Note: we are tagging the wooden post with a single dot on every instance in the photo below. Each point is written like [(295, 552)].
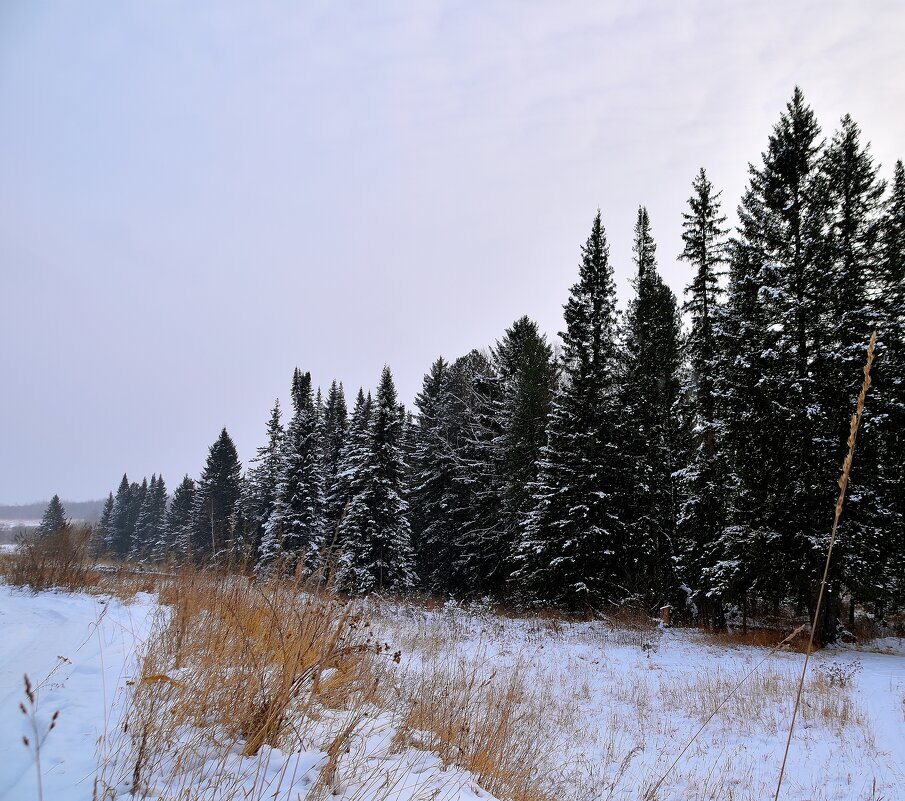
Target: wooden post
[(666, 615)]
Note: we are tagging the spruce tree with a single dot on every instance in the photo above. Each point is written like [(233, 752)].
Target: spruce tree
[(150, 539), (180, 522), (480, 552), (526, 380), (334, 427), (890, 386), (433, 472), (263, 478), (118, 534), (54, 517), (375, 535), (854, 200), (102, 529), (701, 483), (569, 555), (217, 494), (294, 532), (779, 428), (151, 529), (137, 495), (650, 390)]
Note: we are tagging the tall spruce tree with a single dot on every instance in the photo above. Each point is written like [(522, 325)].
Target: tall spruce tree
[(854, 200), (334, 426), (217, 494), (263, 478), (785, 483), (118, 535), (433, 472), (652, 356), (137, 495), (375, 534), (353, 460), (54, 517), (480, 553), (526, 377), (102, 529), (294, 532), (890, 385), (702, 480), (180, 522), (151, 522), (570, 553)]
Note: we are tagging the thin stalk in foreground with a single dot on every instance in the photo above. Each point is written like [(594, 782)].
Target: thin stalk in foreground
[(843, 484)]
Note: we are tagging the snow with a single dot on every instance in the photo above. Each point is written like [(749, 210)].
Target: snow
[(78, 651), (15, 525), (619, 704)]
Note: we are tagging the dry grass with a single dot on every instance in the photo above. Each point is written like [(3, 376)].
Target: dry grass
[(495, 725), (59, 560), (239, 665), (248, 686), (758, 637)]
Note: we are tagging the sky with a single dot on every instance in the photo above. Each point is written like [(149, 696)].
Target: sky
[(197, 197)]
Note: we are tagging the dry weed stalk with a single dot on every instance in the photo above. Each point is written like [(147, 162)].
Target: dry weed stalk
[(843, 485)]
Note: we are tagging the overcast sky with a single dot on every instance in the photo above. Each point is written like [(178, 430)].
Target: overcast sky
[(196, 197)]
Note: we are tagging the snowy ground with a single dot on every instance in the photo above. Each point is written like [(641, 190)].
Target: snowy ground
[(626, 702), (78, 651), (613, 706)]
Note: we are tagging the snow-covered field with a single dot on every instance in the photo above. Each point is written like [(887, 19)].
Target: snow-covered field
[(78, 652), (608, 710), (15, 525)]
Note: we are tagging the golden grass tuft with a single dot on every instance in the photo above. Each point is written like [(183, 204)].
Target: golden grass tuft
[(59, 560)]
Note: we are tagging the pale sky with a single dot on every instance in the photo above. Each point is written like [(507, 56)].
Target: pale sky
[(196, 197)]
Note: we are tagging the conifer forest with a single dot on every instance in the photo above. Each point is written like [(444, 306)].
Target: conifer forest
[(681, 451)]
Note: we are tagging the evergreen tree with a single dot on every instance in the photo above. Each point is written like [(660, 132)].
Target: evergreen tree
[(375, 531), (263, 478), (54, 517), (481, 554), (149, 527), (702, 480), (137, 495), (118, 534), (294, 531), (335, 423), (652, 357), (889, 382), (779, 429), (570, 552), (217, 494), (854, 197), (527, 380), (433, 472), (180, 522), (102, 529)]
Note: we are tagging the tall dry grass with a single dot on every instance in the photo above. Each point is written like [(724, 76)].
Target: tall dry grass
[(496, 724), (60, 560)]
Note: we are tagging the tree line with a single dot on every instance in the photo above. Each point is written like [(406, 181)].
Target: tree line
[(645, 462)]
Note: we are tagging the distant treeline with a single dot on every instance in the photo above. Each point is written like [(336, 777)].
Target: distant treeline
[(645, 463), (89, 511)]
